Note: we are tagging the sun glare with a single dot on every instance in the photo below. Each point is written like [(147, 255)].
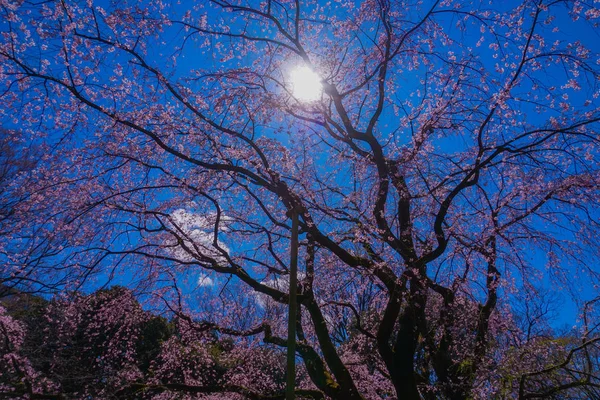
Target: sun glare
[(306, 84)]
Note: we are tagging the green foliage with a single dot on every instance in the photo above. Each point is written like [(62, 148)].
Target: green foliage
[(154, 332)]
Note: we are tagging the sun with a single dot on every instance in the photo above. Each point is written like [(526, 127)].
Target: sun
[(306, 84)]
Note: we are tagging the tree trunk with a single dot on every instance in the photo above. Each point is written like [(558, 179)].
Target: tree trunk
[(403, 373)]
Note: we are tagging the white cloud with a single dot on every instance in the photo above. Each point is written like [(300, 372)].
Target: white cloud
[(198, 235), (281, 283), (205, 280)]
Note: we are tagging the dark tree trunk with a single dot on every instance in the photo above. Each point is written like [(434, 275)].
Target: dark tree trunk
[(403, 373)]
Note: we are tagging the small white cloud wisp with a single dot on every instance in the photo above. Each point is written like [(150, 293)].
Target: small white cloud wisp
[(281, 283), (205, 280)]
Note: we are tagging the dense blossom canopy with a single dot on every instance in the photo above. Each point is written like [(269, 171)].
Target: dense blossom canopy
[(446, 177)]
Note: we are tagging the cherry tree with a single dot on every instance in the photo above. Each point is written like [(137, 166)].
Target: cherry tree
[(15, 163), (444, 167), (27, 241), (103, 345), (18, 376)]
